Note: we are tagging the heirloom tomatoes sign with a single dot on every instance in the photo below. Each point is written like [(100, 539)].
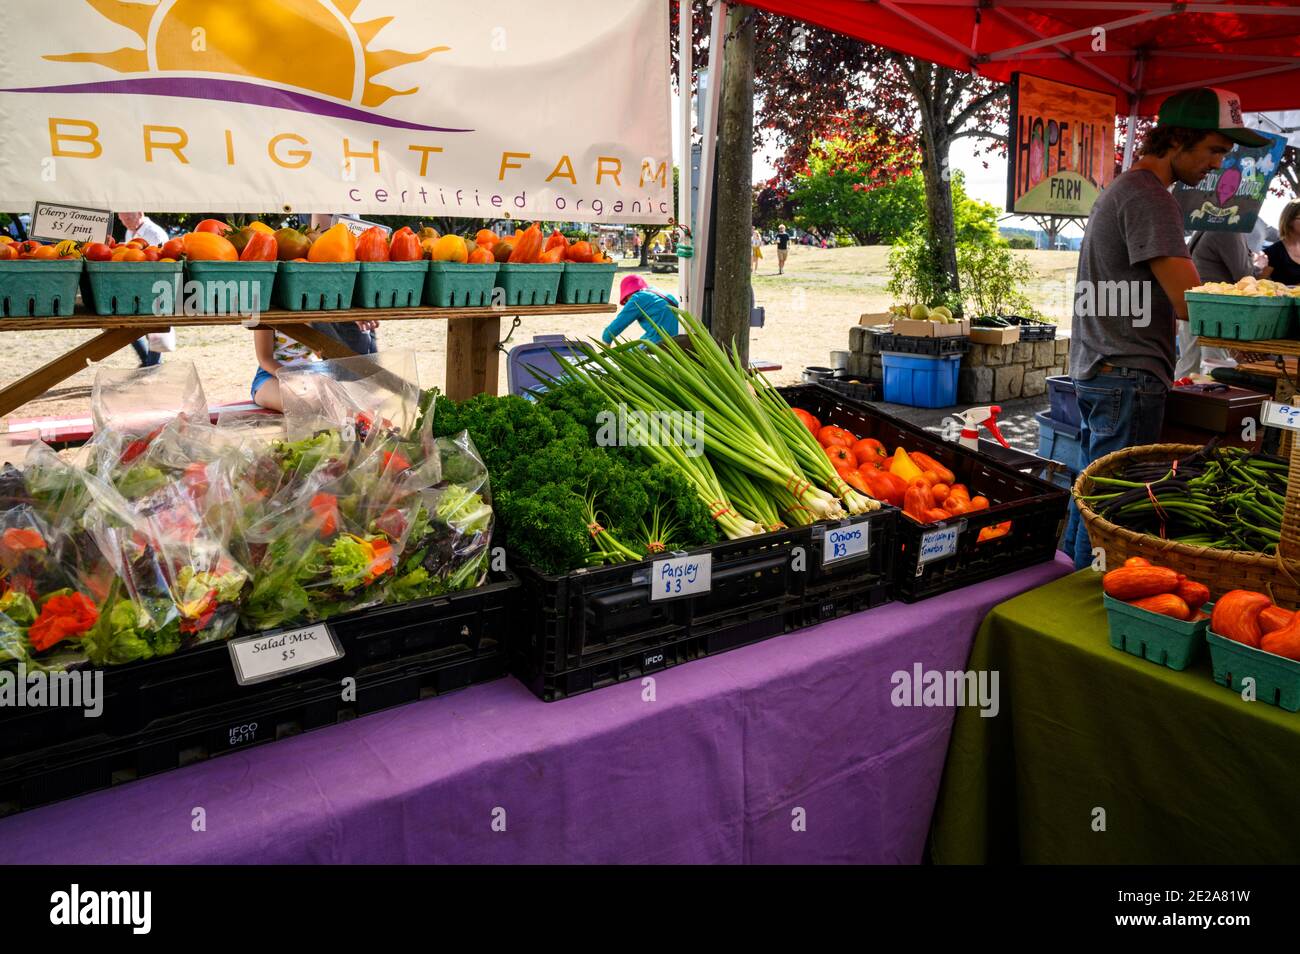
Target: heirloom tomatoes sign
[(482, 110)]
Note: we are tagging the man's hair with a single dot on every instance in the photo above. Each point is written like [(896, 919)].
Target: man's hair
[(1287, 221), (1164, 139)]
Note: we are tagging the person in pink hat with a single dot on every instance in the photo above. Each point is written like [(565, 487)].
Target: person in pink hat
[(650, 307)]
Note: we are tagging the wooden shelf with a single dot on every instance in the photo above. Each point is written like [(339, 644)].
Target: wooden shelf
[(1288, 346), (276, 316)]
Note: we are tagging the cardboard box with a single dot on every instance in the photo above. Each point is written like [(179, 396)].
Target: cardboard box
[(876, 318), (931, 329), (994, 336)]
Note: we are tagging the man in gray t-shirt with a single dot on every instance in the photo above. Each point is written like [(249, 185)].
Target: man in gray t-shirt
[(1133, 271)]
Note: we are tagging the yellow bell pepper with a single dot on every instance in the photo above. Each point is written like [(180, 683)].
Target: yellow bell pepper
[(336, 244), (902, 466)]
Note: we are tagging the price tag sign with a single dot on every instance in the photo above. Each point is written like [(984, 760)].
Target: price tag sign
[(57, 223), (1280, 415), (358, 226), (268, 655), (681, 576), (845, 543), (939, 544)]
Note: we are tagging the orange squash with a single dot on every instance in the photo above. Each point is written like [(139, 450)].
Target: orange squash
[(1135, 582), (1166, 604), (1274, 617), (1236, 616), (1284, 641)]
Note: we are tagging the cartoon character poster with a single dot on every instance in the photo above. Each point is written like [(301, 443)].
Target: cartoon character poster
[(1228, 199)]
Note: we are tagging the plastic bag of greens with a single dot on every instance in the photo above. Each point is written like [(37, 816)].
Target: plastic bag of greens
[(334, 545), (448, 547), (176, 583), (44, 618)]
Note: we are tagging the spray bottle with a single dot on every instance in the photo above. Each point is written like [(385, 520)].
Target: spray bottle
[(972, 418)]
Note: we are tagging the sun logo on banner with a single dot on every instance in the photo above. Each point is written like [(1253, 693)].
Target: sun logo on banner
[(312, 46)]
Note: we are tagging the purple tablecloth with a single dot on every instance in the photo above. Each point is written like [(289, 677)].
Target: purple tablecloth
[(730, 759)]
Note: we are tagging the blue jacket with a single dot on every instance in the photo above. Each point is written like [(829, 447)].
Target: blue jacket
[(645, 306)]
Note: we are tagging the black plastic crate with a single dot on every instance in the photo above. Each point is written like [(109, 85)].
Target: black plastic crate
[(935, 347), (101, 761), (1036, 509), (854, 388), (593, 615), (444, 630)]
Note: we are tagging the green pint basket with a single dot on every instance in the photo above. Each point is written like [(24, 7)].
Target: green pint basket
[(1163, 640), (130, 288), (1277, 679), (1240, 317), (587, 283), (460, 285), (39, 288), (316, 286), (231, 288), (390, 284), (530, 284)]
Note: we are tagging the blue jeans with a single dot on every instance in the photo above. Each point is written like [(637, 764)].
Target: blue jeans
[(1119, 408), (147, 358)]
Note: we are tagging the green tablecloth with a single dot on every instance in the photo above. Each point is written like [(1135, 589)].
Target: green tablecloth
[(1186, 771)]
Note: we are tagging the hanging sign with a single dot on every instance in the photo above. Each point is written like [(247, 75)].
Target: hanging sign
[(1228, 199)]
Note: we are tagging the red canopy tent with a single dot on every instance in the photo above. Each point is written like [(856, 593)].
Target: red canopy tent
[(1140, 49)]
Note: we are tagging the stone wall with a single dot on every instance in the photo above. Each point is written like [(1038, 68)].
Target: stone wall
[(988, 372), (1004, 372)]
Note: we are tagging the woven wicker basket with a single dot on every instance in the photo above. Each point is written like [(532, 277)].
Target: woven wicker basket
[(1220, 570)]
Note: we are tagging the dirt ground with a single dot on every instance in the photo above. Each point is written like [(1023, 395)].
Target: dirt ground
[(809, 310)]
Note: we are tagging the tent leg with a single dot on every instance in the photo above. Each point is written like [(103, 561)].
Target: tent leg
[(1131, 139), (717, 61)]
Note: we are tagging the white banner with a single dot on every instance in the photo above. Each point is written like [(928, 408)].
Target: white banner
[(554, 110)]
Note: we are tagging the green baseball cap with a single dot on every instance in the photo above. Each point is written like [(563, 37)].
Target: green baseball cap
[(1209, 108)]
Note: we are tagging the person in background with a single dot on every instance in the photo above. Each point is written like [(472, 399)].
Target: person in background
[(139, 225), (756, 250), (1122, 347), (274, 351), (1218, 257), (645, 305), (1284, 254), (782, 249)]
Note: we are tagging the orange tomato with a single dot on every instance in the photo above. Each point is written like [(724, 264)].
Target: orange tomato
[(578, 252), (841, 457), (336, 244), (830, 434), (7, 252), (261, 247), (139, 242), (373, 245), (979, 503), (214, 226), (808, 420), (868, 450), (486, 237), (481, 256), (128, 253), (208, 247), (44, 252), (405, 246), (939, 492), (151, 254), (930, 477), (174, 248)]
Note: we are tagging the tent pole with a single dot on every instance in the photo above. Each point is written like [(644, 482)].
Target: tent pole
[(1132, 134), (717, 63), (685, 71)]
